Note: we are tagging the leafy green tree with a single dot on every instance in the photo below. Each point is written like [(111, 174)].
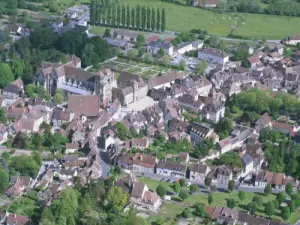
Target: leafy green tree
[(140, 41), (123, 20), (158, 20), (58, 97), (166, 60), (213, 188), (182, 182), (3, 116), (113, 16), (269, 209), (163, 20), (4, 181), (43, 38), (148, 57), (199, 210), (231, 203), (6, 75), (201, 67), (285, 213), (268, 189), (181, 65), (183, 194), (210, 199), (280, 197), (17, 67), (258, 200), (242, 195), (161, 190), (143, 17), (118, 15), (132, 53), (252, 207), (138, 17), (148, 18), (128, 17), (292, 205), (117, 199), (25, 165), (186, 213), (161, 53), (207, 181), (289, 188), (241, 54), (231, 185), (194, 188), (176, 187), (133, 18), (153, 19)]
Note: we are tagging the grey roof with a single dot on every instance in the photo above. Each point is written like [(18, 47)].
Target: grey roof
[(12, 89), (171, 166), (162, 45), (116, 42)]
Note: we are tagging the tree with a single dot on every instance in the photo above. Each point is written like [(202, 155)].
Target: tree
[(25, 165), (158, 20), (161, 53), (231, 185), (280, 197), (148, 57), (289, 188), (186, 213), (117, 199), (58, 98), (123, 21), (183, 194), (143, 17), (182, 182), (6, 75), (210, 199), (138, 17), (4, 181), (231, 203), (285, 213), (113, 16), (127, 17), (213, 188), (161, 190), (148, 18), (132, 18), (241, 54), (140, 41), (176, 187), (3, 116), (118, 15), (201, 67), (163, 20), (107, 33), (269, 209), (194, 188), (132, 53), (122, 130), (153, 19), (181, 65), (252, 207), (166, 60), (199, 210), (43, 38), (17, 67), (268, 189), (292, 205), (258, 200), (242, 195), (207, 181)]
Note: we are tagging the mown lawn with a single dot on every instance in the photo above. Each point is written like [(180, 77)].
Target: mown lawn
[(169, 210), (183, 18)]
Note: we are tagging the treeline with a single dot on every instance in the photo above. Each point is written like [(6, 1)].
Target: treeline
[(286, 7), (114, 15)]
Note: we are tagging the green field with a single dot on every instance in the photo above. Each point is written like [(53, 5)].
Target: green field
[(168, 210), (183, 18)]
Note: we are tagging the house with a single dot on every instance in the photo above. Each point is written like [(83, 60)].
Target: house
[(13, 219), (57, 25), (143, 163), (200, 132), (13, 90), (60, 117), (276, 180), (119, 43), (254, 61), (18, 185), (262, 122), (291, 40), (88, 105), (82, 23), (154, 47), (126, 34), (214, 111), (184, 157), (220, 175), (198, 172), (183, 48), (171, 169), (284, 128), (213, 56), (274, 48), (225, 215), (189, 103), (199, 83), (164, 81), (256, 152), (142, 198), (140, 143), (3, 133), (197, 44), (72, 147), (206, 3), (72, 79), (248, 162), (131, 88)]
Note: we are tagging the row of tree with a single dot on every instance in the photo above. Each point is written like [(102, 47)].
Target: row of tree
[(115, 15)]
